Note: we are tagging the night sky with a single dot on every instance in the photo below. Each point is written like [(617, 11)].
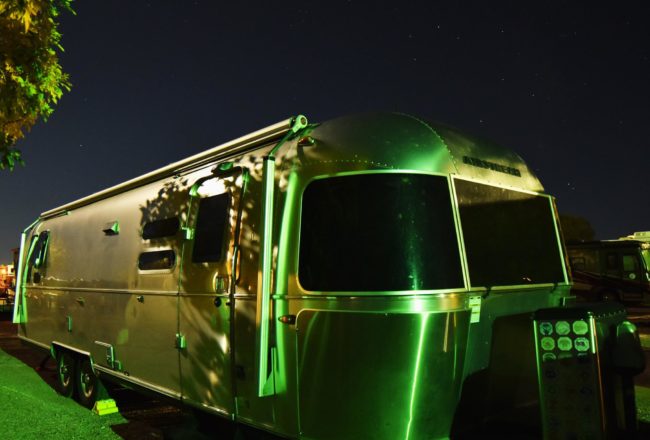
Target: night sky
[(565, 85)]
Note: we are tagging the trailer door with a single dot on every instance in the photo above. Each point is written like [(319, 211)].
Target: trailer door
[(205, 300)]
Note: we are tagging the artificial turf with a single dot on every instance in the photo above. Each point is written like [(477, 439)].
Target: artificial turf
[(31, 409)]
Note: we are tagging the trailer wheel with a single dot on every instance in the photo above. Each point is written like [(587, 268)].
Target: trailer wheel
[(65, 372), (87, 383)]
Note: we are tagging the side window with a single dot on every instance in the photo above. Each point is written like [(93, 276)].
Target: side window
[(630, 263), (630, 266), (38, 247), (157, 260), (211, 224), (167, 227), (611, 262)]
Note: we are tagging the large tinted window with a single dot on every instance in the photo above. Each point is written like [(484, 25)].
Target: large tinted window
[(210, 228), (509, 236), (378, 232)]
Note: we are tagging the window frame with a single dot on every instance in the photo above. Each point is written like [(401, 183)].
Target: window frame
[(223, 250), (555, 220), (170, 269), (298, 231)]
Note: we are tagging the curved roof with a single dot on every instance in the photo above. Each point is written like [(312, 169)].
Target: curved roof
[(400, 141)]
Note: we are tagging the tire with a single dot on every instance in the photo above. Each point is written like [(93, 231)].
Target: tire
[(87, 383), (65, 373)]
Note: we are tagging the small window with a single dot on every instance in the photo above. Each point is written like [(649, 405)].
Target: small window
[(37, 257), (157, 260), (630, 263), (612, 261), (211, 224), (167, 227)]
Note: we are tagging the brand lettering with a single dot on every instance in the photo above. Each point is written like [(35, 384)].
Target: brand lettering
[(480, 163)]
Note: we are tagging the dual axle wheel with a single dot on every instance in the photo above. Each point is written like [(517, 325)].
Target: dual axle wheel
[(76, 376)]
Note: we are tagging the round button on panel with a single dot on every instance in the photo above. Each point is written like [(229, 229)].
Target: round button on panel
[(564, 343), (580, 328), (548, 357), (581, 344), (562, 328), (546, 328), (548, 344)]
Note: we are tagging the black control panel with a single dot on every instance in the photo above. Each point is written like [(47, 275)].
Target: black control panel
[(571, 394)]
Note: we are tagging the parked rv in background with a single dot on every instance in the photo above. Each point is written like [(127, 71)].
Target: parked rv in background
[(616, 270), (372, 276), (7, 287), (6, 279)]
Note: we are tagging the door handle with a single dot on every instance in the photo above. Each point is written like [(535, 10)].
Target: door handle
[(140, 298), (81, 301)]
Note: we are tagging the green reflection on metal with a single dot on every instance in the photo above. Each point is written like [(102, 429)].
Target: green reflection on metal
[(558, 238), (424, 318), (123, 336), (20, 304), (410, 236), (290, 208), (226, 166), (266, 263), (457, 371), (645, 253), (264, 385)]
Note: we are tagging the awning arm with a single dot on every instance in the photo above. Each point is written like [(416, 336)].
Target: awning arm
[(264, 373)]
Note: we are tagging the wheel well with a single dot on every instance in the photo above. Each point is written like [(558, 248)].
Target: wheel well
[(57, 347)]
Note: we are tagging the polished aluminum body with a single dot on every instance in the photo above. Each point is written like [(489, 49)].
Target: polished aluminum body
[(373, 363)]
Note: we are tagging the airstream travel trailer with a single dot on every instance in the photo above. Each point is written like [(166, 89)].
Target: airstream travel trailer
[(372, 276)]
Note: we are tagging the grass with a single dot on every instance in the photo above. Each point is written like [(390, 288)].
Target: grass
[(31, 409), (643, 404)]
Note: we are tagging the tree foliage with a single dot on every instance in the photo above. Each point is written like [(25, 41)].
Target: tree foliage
[(576, 228), (31, 79)]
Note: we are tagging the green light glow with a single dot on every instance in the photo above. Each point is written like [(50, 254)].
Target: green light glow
[(265, 269), (645, 253), (265, 386), (20, 305), (456, 349), (290, 208), (424, 318)]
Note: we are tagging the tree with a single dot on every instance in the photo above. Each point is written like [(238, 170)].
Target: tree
[(575, 228), (31, 79)]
